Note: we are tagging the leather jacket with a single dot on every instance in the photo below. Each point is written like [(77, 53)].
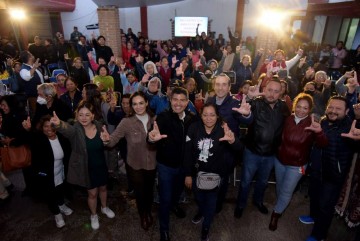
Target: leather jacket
[(264, 134)]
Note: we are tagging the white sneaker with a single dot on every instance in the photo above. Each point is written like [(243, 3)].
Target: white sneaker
[(59, 220), (94, 221), (108, 212), (65, 210)]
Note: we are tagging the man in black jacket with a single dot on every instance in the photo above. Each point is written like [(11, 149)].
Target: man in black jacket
[(329, 167), (169, 132), (262, 142), (101, 49)]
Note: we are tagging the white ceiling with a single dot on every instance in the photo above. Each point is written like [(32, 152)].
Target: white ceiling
[(132, 3)]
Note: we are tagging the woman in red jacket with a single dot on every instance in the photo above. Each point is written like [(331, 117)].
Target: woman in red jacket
[(300, 132)]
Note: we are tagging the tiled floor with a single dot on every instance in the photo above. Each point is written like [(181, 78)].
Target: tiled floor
[(25, 219)]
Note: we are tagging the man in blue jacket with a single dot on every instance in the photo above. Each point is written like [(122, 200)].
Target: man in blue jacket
[(234, 114)]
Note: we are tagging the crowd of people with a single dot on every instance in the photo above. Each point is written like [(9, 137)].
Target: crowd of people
[(179, 113)]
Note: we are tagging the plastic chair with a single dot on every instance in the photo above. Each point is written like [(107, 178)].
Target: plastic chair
[(58, 71)]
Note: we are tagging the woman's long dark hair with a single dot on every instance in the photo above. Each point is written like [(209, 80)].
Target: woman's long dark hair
[(141, 94), (93, 96)]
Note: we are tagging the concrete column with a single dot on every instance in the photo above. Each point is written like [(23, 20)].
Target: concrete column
[(240, 17), (144, 21), (109, 27)]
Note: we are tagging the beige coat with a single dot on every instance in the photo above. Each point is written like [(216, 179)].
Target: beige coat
[(140, 153)]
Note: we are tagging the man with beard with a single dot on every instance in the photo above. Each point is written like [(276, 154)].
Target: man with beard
[(262, 141), (329, 167)]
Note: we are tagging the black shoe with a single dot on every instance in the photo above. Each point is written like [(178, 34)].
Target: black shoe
[(261, 207), (197, 218), (205, 234), (164, 236), (180, 213), (238, 212)]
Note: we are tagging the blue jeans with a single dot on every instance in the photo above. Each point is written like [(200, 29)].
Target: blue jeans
[(253, 163), (171, 184), (206, 201), (287, 177)]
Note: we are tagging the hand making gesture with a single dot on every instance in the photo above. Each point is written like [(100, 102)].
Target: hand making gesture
[(55, 120), (254, 91), (245, 108), (315, 126), (354, 132), (155, 135), (104, 135), (228, 135), (27, 124)]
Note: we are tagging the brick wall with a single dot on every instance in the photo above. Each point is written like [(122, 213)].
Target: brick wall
[(267, 39), (109, 27)]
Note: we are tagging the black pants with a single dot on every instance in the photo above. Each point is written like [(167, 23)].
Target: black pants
[(55, 198), (143, 183), (323, 198)]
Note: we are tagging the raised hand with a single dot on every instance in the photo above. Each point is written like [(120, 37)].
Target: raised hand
[(315, 126), (190, 54), (155, 135), (245, 108), (260, 51), (174, 60), (327, 83), (37, 64), (9, 61), (302, 61), (224, 51), (27, 124), (122, 67), (354, 132), (228, 135), (198, 64), (300, 51), (254, 91), (179, 70), (145, 78), (349, 74), (55, 120), (104, 135)]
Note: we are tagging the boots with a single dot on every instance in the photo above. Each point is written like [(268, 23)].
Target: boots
[(274, 220)]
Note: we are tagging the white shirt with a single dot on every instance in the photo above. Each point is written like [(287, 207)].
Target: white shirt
[(26, 75), (144, 119), (59, 175)]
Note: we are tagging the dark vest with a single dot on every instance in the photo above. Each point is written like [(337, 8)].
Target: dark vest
[(30, 86)]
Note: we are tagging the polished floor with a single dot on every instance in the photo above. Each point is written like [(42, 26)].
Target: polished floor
[(23, 218)]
